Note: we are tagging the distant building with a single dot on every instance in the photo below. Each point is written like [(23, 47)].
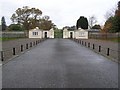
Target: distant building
[(77, 34), (37, 33), (67, 33)]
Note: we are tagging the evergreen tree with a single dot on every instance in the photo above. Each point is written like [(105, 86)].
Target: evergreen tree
[(82, 22), (3, 23), (96, 26), (16, 27)]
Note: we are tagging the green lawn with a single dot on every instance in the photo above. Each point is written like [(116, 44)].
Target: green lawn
[(112, 39), (58, 34), (8, 39)]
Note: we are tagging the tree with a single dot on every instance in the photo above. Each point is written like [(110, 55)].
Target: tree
[(115, 25), (92, 21), (82, 22), (72, 27), (96, 26), (117, 12), (26, 16), (108, 25), (16, 27), (116, 20), (110, 13), (45, 23), (112, 24), (3, 23)]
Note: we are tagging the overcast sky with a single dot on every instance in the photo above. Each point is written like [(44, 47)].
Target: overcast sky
[(61, 12)]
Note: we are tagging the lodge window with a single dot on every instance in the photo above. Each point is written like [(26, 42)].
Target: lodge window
[(82, 34), (35, 33)]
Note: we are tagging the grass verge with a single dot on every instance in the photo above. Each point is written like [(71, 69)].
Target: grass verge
[(8, 39)]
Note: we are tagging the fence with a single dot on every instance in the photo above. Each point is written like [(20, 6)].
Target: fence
[(16, 50), (104, 35), (108, 52), (13, 34)]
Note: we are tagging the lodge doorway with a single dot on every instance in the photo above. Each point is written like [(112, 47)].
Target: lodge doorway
[(71, 34), (45, 34)]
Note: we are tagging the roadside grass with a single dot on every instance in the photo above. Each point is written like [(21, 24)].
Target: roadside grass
[(111, 39), (8, 39)]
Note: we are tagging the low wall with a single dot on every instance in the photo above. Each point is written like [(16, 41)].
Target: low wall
[(17, 47), (108, 52)]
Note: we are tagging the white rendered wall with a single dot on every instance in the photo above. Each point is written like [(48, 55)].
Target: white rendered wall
[(35, 36), (65, 33), (51, 33), (81, 34)]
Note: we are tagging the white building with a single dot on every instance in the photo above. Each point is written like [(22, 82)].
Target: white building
[(77, 34), (37, 33)]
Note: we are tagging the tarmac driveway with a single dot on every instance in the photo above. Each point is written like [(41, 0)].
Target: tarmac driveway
[(60, 63)]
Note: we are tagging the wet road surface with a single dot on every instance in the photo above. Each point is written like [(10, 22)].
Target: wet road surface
[(60, 63)]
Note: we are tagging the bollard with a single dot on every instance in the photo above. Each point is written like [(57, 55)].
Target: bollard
[(36, 42), (21, 48), (85, 43), (80, 41), (76, 40), (31, 44), (2, 57), (27, 46), (14, 51), (89, 45), (93, 46), (108, 51), (99, 48)]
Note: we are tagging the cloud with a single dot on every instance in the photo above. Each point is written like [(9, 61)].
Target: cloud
[(62, 12)]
